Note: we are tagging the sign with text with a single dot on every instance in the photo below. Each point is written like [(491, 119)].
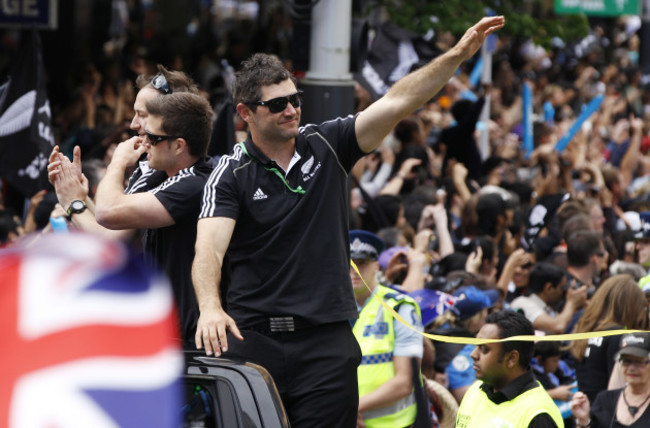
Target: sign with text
[(598, 7), (29, 14)]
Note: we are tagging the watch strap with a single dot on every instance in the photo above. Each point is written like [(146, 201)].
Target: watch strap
[(76, 210)]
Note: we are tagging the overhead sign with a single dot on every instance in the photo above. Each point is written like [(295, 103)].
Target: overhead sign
[(29, 14), (598, 7)]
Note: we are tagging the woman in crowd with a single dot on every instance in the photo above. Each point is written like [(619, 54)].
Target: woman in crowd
[(618, 303), (627, 406)]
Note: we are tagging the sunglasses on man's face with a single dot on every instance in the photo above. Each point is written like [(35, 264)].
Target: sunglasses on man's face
[(159, 82), (155, 139), (277, 105)]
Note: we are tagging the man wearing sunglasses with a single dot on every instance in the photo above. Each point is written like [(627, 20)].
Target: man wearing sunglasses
[(279, 205), (176, 138), (162, 199), (69, 186)]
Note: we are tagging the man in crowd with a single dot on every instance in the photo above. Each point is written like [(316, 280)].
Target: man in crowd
[(548, 286), (386, 395), (508, 394), (279, 205), (586, 257)]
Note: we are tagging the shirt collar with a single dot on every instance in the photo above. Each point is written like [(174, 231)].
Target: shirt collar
[(540, 301), (515, 388), (254, 151), (259, 156)]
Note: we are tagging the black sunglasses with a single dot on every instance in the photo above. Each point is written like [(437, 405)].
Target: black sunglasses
[(277, 105), (160, 82), (155, 139)]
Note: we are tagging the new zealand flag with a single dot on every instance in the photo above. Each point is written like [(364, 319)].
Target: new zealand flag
[(26, 138), (88, 337)]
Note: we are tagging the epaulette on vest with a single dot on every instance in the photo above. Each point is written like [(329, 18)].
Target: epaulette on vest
[(395, 296), (398, 297)]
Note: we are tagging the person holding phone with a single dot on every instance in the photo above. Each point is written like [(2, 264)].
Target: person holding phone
[(548, 287)]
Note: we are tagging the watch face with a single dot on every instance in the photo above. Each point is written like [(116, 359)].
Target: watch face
[(77, 205)]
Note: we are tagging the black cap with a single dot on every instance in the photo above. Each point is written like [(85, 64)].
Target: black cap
[(637, 344), (365, 245)]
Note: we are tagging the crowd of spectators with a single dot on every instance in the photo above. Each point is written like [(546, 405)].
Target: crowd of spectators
[(456, 220)]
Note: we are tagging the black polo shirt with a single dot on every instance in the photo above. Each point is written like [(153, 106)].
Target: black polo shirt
[(171, 248), (289, 252), (144, 178)]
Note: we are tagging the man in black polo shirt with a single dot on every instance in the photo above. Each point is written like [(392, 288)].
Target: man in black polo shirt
[(176, 140), (279, 205), (171, 247)]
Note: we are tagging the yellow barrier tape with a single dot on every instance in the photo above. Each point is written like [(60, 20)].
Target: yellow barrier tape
[(475, 341)]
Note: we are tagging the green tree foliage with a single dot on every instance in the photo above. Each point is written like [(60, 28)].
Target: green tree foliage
[(524, 18)]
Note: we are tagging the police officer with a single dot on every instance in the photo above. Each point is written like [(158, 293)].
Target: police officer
[(386, 390), (509, 394)]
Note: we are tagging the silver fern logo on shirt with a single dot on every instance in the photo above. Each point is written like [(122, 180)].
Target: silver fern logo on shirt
[(307, 170)]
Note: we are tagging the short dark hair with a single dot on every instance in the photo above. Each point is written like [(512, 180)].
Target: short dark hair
[(541, 130), (581, 245), (511, 324), (390, 206), (574, 224), (543, 272), (186, 115), (257, 71), (569, 209), (405, 129), (547, 349), (488, 207)]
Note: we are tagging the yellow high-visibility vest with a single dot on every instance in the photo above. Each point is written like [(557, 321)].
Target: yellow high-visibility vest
[(478, 411), (376, 336)]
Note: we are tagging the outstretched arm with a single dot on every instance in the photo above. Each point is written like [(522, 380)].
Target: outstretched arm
[(413, 90), (212, 239)]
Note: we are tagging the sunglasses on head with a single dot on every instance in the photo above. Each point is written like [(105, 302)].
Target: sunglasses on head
[(155, 139), (277, 105), (159, 82)]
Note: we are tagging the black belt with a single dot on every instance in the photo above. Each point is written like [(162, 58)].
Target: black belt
[(278, 324)]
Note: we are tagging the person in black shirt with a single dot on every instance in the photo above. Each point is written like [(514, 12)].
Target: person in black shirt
[(177, 195), (279, 206), (627, 406), (176, 140)]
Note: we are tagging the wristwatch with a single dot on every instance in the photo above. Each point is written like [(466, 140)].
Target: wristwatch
[(76, 207)]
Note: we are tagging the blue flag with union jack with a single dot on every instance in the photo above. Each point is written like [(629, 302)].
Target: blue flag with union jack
[(88, 337)]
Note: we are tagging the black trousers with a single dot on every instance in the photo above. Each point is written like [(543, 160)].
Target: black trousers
[(315, 371)]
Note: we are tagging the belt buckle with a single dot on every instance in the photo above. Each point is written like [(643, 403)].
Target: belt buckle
[(280, 324)]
